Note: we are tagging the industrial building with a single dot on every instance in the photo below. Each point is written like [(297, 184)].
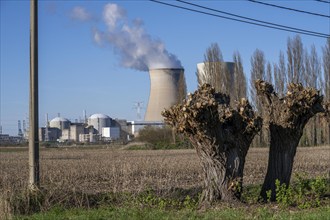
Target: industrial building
[(164, 91), (98, 127), (135, 126), (7, 139)]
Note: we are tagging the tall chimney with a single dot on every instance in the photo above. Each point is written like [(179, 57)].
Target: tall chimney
[(164, 91)]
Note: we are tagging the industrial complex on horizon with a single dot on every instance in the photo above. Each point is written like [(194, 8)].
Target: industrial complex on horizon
[(164, 92)]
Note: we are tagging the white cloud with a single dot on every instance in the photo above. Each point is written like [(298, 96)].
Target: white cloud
[(112, 13), (81, 14), (98, 37), (135, 47)]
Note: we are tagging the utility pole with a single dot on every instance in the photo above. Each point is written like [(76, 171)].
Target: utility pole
[(34, 114)]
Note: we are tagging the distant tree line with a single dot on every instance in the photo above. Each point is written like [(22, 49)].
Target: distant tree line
[(299, 65)]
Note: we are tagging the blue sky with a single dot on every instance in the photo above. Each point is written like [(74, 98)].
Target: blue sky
[(77, 73)]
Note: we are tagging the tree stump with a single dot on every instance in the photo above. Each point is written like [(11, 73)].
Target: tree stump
[(286, 118), (221, 136)]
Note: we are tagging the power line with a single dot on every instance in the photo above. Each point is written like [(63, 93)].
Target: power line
[(255, 20), (291, 9), (138, 106), (243, 21), (323, 1)]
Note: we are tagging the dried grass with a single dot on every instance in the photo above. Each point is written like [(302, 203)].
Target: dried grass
[(96, 171)]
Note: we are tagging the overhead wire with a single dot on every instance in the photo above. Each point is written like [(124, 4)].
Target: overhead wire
[(251, 19), (291, 9), (323, 1), (305, 32)]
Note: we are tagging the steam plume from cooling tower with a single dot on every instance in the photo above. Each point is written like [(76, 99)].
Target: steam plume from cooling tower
[(135, 47)]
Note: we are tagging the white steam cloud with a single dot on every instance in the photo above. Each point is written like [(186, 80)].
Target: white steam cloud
[(79, 13), (136, 48)]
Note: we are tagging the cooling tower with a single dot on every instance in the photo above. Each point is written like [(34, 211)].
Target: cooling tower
[(164, 91), (202, 70)]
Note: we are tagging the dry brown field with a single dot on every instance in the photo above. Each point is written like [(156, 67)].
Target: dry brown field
[(118, 170)]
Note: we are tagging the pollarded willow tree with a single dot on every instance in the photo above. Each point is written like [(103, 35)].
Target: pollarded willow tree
[(221, 136), (286, 118)]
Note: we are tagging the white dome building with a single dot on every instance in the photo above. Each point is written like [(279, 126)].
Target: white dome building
[(99, 121), (60, 123)]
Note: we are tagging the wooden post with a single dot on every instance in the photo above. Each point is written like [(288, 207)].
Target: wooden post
[(33, 107)]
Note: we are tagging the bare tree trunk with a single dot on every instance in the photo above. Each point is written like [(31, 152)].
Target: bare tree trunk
[(223, 170), (221, 136), (286, 118), (284, 142), (173, 136)]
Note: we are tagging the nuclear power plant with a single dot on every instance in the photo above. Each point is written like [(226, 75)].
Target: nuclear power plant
[(164, 91), (165, 85), (98, 127)]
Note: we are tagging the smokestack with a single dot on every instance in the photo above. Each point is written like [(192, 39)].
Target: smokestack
[(20, 133), (85, 116), (164, 91)]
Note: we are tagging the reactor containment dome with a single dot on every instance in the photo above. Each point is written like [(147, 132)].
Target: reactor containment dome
[(99, 121), (60, 123)]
